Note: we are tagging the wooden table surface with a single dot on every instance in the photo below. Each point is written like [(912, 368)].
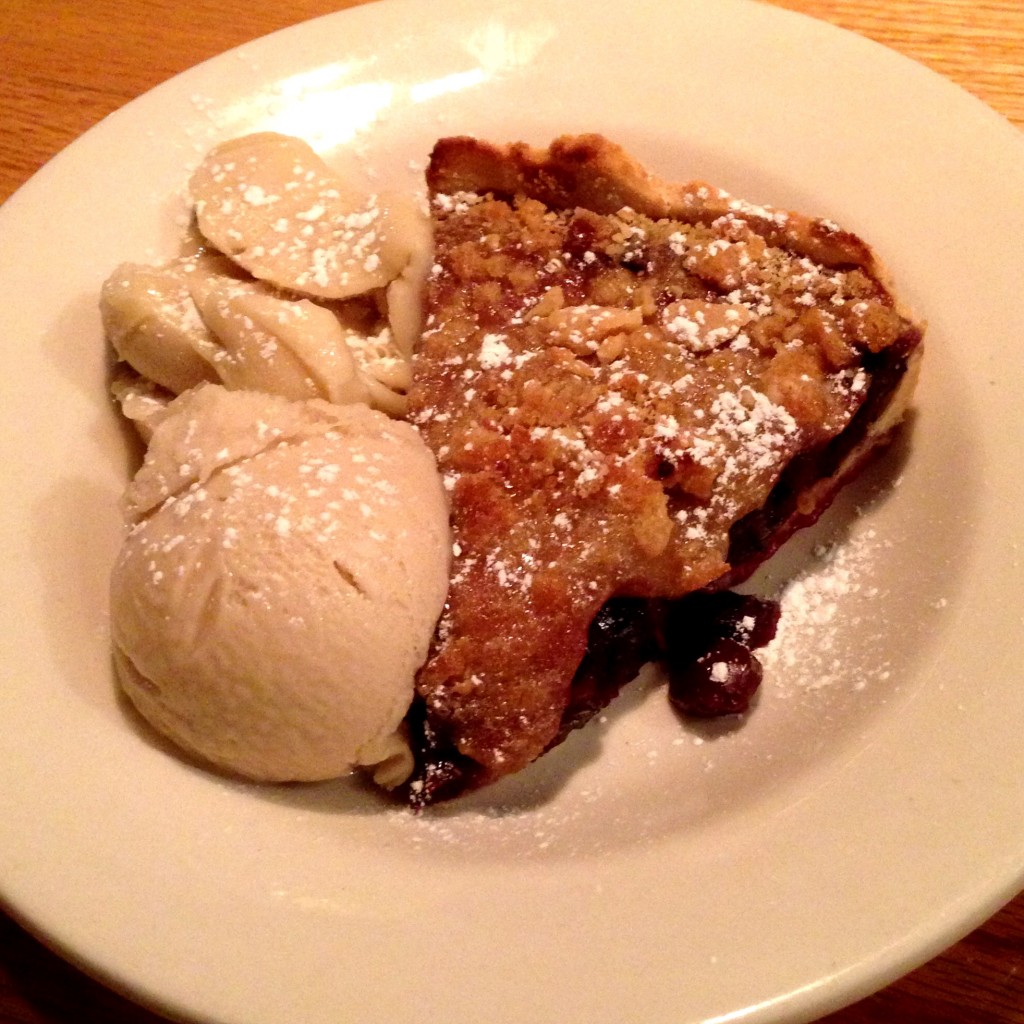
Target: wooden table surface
[(64, 64)]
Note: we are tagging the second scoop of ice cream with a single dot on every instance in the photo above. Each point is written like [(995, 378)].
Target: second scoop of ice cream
[(284, 572)]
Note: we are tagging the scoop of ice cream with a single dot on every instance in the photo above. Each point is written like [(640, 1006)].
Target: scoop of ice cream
[(283, 575)]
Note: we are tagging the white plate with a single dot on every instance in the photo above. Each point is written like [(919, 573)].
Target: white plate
[(867, 815)]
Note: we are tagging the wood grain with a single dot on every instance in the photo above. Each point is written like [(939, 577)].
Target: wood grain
[(66, 64), (979, 44)]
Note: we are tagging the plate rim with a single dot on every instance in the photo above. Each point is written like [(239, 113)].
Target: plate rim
[(1012, 880)]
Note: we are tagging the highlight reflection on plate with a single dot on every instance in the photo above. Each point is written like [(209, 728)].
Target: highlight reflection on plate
[(864, 817)]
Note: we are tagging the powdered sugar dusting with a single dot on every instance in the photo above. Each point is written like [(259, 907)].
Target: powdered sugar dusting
[(812, 648)]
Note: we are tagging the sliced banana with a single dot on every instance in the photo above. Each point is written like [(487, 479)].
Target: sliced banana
[(151, 321), (286, 230), (295, 349), (404, 296), (299, 349), (271, 203), (142, 402), (187, 322)]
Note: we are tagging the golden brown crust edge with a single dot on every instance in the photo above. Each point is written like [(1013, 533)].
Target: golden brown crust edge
[(592, 172)]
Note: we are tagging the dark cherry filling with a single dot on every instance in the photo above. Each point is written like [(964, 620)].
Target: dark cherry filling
[(722, 681), (706, 641), (709, 654), (441, 771), (624, 637), (760, 534), (692, 624)]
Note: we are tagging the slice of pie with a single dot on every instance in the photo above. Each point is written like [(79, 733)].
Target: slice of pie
[(635, 390)]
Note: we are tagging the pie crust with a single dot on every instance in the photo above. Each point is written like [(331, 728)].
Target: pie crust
[(634, 390)]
